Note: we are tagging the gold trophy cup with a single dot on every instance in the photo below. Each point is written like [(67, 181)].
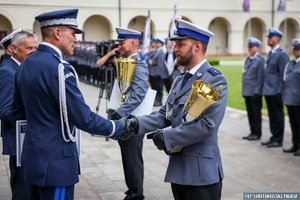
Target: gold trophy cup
[(201, 97), (125, 72)]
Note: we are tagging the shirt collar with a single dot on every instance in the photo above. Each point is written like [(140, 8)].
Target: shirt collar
[(132, 55), (297, 59), (195, 69), (275, 48), (254, 56), (19, 63), (53, 47)]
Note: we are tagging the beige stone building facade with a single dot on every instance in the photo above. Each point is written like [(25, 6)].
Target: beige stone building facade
[(98, 19)]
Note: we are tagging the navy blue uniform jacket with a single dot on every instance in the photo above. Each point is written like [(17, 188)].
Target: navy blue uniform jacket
[(8, 69), (48, 160)]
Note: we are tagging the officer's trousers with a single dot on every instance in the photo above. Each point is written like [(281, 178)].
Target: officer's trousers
[(191, 192), (294, 117), (276, 117), (52, 193), (133, 164), (253, 106), (20, 189)]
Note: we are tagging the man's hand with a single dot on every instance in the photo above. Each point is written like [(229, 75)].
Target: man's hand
[(131, 127), (158, 139), (133, 123), (115, 116)]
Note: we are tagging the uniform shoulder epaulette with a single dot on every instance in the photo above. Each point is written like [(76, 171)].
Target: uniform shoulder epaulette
[(214, 71), (281, 50), (260, 57), (64, 62), (56, 56)]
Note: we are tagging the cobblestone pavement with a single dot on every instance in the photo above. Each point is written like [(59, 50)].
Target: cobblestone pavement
[(248, 166)]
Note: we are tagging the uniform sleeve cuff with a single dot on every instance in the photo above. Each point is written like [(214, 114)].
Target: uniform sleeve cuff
[(113, 129)]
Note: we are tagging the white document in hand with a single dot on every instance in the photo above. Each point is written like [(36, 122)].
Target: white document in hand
[(145, 108)]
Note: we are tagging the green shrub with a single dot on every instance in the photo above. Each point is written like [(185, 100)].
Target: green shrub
[(213, 61)]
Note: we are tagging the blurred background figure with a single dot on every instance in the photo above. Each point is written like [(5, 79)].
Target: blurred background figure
[(156, 68), (132, 149), (272, 88), (291, 97), (252, 84), (170, 62), (22, 44)]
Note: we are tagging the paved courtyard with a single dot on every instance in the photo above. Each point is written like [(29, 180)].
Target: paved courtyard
[(248, 166)]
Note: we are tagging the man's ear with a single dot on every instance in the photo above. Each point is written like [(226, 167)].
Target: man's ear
[(56, 33), (198, 45), (132, 42), (13, 48), (135, 43)]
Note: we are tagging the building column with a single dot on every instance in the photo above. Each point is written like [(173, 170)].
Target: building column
[(235, 42)]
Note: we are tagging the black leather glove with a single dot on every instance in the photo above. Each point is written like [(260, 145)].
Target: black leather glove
[(115, 116), (131, 126), (158, 139), (126, 133), (133, 123)]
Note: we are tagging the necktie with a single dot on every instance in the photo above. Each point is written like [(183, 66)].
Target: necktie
[(269, 56), (186, 77)]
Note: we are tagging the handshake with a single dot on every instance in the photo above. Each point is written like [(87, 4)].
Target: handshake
[(131, 127)]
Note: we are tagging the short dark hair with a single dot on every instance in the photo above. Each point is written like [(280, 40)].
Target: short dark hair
[(46, 32)]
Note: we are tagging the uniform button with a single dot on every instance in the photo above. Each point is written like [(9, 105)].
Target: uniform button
[(174, 115)]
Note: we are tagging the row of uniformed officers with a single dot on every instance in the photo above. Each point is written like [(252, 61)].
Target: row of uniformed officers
[(277, 79)]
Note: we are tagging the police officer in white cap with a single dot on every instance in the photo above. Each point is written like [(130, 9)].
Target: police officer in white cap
[(48, 94), (253, 79), (6, 42), (273, 78), (132, 149), (21, 43), (196, 172), (291, 97)]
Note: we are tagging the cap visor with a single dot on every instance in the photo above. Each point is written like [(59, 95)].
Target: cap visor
[(77, 30), (120, 39), (176, 37)]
